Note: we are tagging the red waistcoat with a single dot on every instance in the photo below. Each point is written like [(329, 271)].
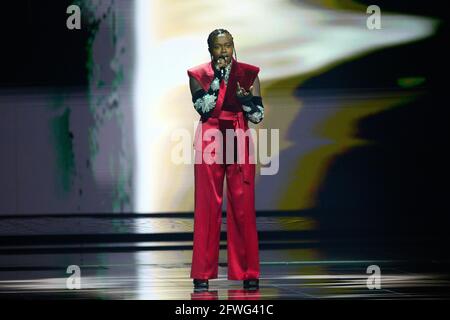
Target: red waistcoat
[(228, 106), (240, 72)]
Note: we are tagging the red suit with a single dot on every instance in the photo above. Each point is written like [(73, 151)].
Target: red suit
[(242, 237)]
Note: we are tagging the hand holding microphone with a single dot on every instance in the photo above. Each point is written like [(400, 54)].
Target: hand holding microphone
[(221, 64)]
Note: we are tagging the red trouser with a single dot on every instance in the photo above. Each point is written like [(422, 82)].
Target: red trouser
[(242, 236)]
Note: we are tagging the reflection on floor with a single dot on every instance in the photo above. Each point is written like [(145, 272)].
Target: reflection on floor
[(302, 280), (119, 263)]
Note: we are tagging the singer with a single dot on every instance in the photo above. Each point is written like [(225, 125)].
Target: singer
[(226, 95)]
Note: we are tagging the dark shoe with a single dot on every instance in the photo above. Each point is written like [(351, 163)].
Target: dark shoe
[(251, 284), (200, 284)]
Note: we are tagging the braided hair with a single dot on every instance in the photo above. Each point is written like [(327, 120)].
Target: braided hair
[(219, 32)]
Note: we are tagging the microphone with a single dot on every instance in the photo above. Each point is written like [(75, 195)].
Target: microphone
[(222, 70)]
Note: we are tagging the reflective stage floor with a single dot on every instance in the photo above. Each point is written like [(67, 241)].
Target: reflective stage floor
[(120, 264)]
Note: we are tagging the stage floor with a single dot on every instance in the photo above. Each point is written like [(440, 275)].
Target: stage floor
[(127, 276), (149, 258)]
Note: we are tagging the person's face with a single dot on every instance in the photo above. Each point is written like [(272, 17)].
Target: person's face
[(222, 47)]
